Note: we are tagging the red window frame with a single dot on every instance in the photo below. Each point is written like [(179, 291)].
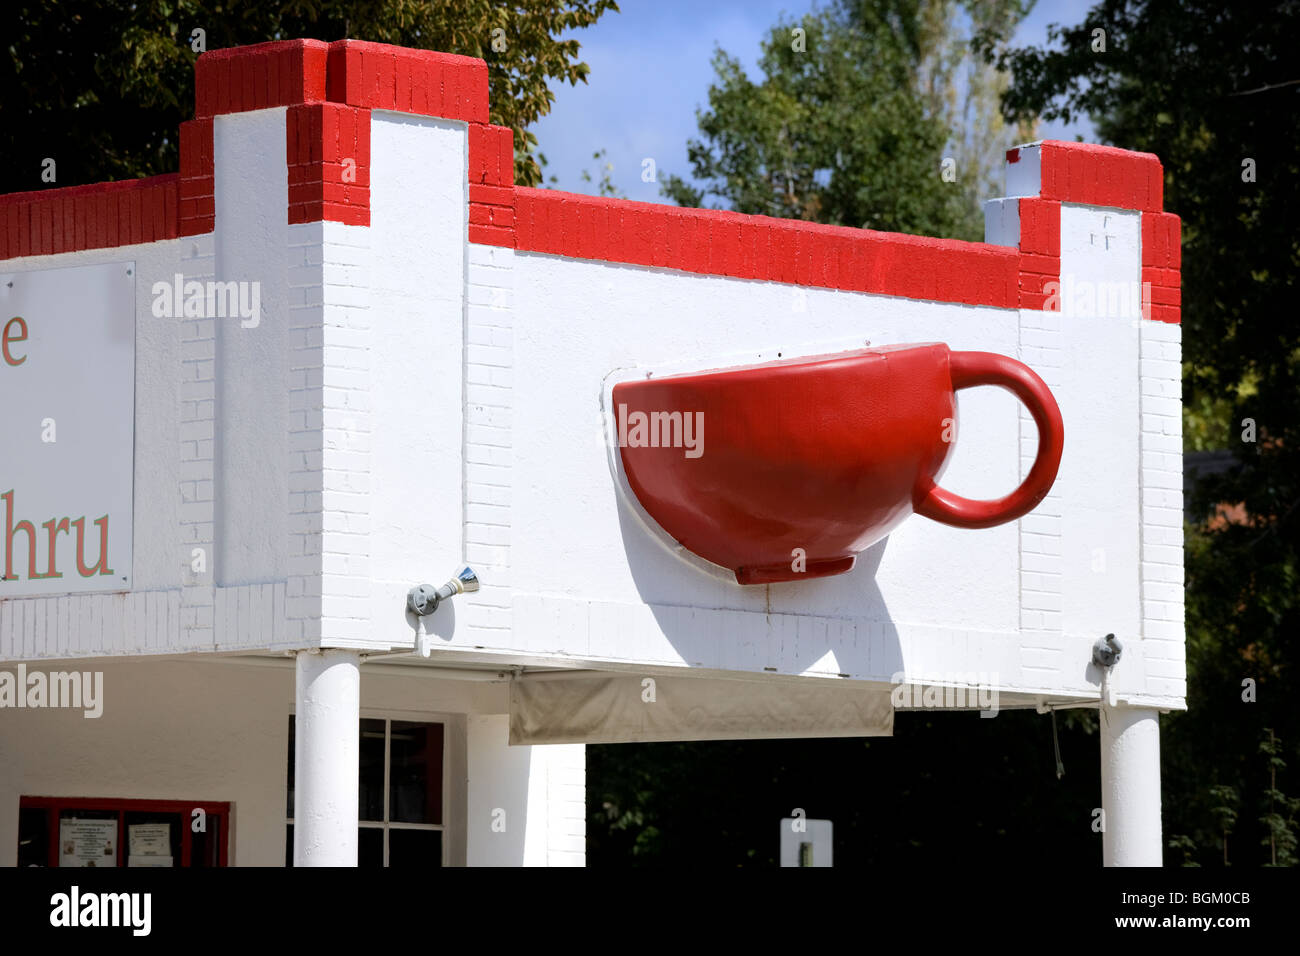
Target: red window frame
[(55, 805)]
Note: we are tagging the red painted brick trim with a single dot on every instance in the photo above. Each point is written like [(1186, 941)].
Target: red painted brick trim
[(1040, 247), (1100, 176), (757, 247), (345, 80), (492, 215), (198, 207), (329, 90), (1162, 262), (260, 76), (327, 147), (382, 77), (97, 216)]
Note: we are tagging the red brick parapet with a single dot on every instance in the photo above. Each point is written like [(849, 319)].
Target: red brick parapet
[(330, 89)]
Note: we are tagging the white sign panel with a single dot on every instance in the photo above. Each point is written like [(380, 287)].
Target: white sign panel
[(67, 425), (807, 842), (87, 842)]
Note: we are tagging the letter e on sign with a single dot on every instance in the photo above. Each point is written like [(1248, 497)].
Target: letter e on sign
[(15, 331)]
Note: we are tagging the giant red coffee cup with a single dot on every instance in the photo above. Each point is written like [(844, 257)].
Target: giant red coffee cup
[(788, 470)]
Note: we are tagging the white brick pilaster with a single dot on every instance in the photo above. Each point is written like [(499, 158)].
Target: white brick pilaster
[(196, 436), (328, 376), (1040, 530), (1161, 483), (489, 363)]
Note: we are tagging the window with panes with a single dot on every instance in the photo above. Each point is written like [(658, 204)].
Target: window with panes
[(401, 793)]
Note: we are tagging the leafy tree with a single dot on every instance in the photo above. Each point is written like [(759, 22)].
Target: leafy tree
[(1279, 822), (100, 86), (944, 786), (1213, 90), (604, 180), (1226, 799), (854, 118)]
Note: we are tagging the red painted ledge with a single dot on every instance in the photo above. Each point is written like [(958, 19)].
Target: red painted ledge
[(96, 216), (1101, 176), (718, 242)]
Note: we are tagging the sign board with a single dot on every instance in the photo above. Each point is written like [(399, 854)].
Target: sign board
[(807, 842), (87, 842), (150, 844), (67, 420)]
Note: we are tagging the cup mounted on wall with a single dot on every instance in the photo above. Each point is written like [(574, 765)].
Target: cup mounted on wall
[(787, 470)]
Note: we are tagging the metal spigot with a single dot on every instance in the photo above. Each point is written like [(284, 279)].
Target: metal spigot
[(423, 599), (1106, 652)]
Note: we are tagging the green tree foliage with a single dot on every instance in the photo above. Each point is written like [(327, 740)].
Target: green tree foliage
[(944, 787), (101, 86), (1213, 89), (604, 179), (855, 114)]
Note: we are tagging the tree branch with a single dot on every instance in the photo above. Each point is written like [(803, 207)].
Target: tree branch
[(1265, 88)]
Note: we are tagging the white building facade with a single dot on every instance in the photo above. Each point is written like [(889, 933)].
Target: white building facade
[(341, 354)]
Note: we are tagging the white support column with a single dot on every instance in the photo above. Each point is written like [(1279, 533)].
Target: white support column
[(1130, 786), (326, 758)]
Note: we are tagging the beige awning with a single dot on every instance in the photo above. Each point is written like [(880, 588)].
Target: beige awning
[(606, 708)]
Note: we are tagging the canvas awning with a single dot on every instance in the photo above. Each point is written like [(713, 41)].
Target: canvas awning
[(613, 708)]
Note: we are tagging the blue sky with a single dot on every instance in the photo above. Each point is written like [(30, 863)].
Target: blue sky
[(650, 71)]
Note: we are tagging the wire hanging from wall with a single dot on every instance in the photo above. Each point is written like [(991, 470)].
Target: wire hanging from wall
[(1056, 746)]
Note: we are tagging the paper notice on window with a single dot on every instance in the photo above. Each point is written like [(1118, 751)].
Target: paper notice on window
[(149, 839), (87, 842)]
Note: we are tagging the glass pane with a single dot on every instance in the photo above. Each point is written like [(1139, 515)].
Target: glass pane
[(288, 813), (205, 848), (415, 848), (153, 839), (33, 836), (415, 773), (372, 770), (370, 846)]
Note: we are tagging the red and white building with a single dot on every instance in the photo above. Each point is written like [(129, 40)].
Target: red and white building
[(247, 407)]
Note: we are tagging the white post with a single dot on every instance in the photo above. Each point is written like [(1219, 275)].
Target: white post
[(326, 758), (1130, 786)]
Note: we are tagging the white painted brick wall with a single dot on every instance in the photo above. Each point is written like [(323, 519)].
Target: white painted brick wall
[(328, 374), (197, 455), (1040, 531), (140, 622), (1163, 636), (305, 381), (489, 358), (346, 429), (565, 767)]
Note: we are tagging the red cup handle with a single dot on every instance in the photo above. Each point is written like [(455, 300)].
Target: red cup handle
[(969, 369)]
